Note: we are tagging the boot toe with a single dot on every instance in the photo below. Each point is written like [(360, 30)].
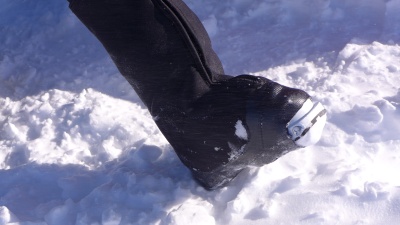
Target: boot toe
[(305, 128)]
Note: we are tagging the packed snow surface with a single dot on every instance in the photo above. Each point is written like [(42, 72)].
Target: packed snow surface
[(77, 146)]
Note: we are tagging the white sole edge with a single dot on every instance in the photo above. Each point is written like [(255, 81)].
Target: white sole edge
[(306, 126)]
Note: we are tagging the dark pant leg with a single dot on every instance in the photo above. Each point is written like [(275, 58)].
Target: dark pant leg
[(159, 46)]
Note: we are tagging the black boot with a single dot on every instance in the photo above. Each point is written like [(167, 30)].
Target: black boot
[(251, 123)]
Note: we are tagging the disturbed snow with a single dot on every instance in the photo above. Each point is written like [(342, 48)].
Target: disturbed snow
[(77, 145)]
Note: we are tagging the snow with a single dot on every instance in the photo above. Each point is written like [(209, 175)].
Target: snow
[(240, 130), (77, 146)]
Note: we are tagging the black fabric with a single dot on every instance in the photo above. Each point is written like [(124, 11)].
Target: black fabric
[(164, 52)]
